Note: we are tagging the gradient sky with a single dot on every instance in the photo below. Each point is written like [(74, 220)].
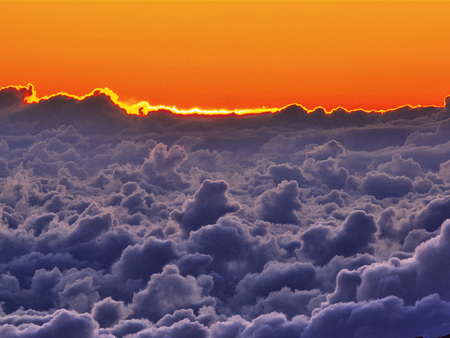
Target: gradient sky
[(232, 54)]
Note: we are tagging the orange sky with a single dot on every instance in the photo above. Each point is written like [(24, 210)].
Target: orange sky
[(232, 54)]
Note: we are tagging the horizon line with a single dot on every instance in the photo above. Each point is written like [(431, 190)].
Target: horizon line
[(143, 108)]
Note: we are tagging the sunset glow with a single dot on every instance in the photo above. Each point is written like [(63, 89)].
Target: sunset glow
[(143, 108), (227, 55), (224, 168)]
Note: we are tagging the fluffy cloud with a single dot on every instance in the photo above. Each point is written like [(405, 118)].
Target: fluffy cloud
[(432, 216), (161, 166), (411, 279), (278, 205), (271, 225), (321, 243), (169, 291), (381, 185), (209, 203), (61, 323)]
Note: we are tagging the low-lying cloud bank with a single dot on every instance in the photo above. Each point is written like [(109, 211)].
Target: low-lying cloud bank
[(271, 225)]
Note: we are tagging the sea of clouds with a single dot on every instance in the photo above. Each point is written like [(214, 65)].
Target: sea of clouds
[(272, 225)]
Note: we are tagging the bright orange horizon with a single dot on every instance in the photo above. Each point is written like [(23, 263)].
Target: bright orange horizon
[(374, 55), (143, 108)]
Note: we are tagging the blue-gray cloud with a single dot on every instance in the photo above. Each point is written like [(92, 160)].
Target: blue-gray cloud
[(272, 225)]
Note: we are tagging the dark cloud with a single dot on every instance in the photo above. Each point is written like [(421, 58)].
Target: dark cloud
[(382, 185), (108, 312), (279, 205), (169, 291), (274, 325), (61, 323), (275, 277), (330, 149), (385, 317), (286, 172), (235, 251), (445, 171), (426, 273), (13, 97), (208, 204), (286, 224), (142, 260), (322, 243), (326, 171), (161, 167), (4, 170), (432, 216), (400, 167), (184, 328)]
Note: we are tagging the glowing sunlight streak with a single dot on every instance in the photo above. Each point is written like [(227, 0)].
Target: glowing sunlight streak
[(143, 108)]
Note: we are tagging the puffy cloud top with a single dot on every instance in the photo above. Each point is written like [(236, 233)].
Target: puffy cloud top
[(286, 224)]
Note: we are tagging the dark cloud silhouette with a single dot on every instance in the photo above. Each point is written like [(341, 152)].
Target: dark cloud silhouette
[(286, 224), (13, 97)]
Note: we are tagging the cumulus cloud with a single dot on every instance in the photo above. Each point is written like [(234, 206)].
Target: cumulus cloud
[(209, 203), (401, 167), (161, 166), (275, 287), (432, 216), (286, 224), (109, 312), (411, 279), (13, 97), (382, 186), (330, 149), (321, 243), (169, 291), (61, 323), (279, 205)]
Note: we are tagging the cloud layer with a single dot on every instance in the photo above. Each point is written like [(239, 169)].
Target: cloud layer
[(287, 224)]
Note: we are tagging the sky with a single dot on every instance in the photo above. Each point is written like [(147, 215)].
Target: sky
[(299, 221), (232, 54)]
